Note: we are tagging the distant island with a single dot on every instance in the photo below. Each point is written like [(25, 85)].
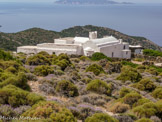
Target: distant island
[(89, 2)]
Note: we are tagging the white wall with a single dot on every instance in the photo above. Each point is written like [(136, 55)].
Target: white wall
[(138, 51), (112, 50), (126, 54), (26, 50), (60, 48), (59, 41), (92, 45)]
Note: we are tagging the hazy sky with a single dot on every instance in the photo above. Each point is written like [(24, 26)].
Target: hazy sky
[(135, 1)]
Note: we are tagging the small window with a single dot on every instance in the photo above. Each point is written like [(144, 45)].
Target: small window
[(53, 53), (124, 47), (112, 54), (126, 53)]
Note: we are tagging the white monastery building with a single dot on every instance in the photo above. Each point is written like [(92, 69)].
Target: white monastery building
[(109, 45)]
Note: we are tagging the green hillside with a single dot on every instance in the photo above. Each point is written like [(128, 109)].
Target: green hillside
[(68, 88), (10, 41)]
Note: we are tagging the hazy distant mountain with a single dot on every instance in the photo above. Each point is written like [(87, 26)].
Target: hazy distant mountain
[(88, 2)]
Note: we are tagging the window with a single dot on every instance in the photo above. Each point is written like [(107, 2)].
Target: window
[(112, 54), (126, 53), (124, 47)]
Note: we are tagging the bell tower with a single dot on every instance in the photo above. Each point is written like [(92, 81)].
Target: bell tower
[(93, 35)]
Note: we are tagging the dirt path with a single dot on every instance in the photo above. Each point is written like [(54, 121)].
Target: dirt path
[(140, 63)]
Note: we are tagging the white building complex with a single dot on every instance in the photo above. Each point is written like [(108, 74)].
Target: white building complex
[(109, 45)]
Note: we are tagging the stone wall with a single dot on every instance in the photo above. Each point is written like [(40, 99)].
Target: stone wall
[(150, 58)]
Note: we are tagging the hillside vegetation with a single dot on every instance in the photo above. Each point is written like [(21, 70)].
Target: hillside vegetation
[(71, 88), (10, 41), (155, 53)]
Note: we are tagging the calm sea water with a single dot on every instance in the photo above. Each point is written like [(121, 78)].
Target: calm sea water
[(137, 20)]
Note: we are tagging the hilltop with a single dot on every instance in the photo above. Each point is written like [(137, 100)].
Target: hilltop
[(33, 36)]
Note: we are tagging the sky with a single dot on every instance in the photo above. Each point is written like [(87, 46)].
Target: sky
[(134, 1)]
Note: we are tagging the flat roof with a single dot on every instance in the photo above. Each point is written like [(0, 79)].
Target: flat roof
[(28, 47), (135, 46), (67, 38), (81, 39), (126, 50), (109, 39)]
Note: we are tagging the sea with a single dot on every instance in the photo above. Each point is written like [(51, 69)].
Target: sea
[(132, 19)]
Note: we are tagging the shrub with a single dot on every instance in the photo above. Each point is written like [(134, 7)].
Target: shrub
[(113, 67), (124, 91), (63, 56), (144, 120), (63, 61), (152, 71), (155, 119), (157, 93), (139, 59), (75, 75), (99, 86), (5, 55), (67, 88), (160, 74), (127, 63), (141, 68), (63, 64), (75, 60), (19, 81), (1, 70), (120, 108), (38, 59), (146, 110), (43, 53), (12, 66), (84, 58), (16, 97), (101, 117), (59, 72), (43, 70), (129, 74), (5, 75), (31, 77), (82, 111), (9, 111), (159, 108), (145, 85), (141, 102), (21, 110), (11, 69), (47, 88), (50, 110), (96, 69), (158, 69), (95, 99), (125, 118), (149, 52), (98, 56), (131, 98)]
